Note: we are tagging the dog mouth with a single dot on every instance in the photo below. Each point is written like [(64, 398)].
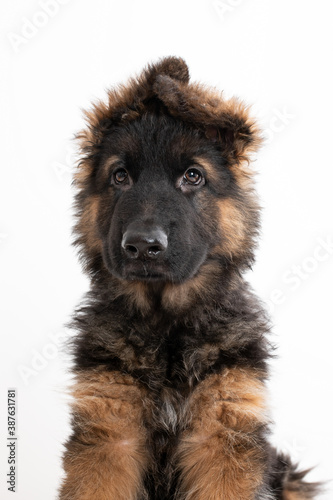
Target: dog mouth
[(145, 272), (146, 277)]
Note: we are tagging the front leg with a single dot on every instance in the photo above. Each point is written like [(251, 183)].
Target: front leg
[(106, 456), (221, 455)]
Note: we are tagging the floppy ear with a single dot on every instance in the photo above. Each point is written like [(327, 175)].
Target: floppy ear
[(173, 67), (237, 139), (128, 101), (124, 103), (226, 122)]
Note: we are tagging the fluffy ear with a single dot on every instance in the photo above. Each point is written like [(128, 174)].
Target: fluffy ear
[(226, 122), (128, 101), (173, 67), (238, 138)]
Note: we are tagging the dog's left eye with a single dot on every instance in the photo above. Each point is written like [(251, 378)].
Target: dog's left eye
[(193, 176), (120, 176)]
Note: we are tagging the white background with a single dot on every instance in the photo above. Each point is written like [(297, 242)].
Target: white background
[(276, 55)]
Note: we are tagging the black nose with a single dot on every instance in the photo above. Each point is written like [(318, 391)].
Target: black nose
[(142, 242)]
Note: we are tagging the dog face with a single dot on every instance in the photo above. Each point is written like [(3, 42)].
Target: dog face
[(159, 182), (163, 192)]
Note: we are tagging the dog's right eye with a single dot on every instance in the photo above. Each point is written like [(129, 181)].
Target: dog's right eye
[(120, 176), (193, 176)]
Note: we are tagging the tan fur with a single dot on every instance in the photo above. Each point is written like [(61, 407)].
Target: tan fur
[(292, 495), (232, 226), (109, 455), (87, 225), (244, 175), (296, 495), (175, 296), (218, 455), (136, 292), (83, 171), (109, 164), (178, 296), (210, 170)]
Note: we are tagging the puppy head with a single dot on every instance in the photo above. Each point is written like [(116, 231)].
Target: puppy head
[(164, 187)]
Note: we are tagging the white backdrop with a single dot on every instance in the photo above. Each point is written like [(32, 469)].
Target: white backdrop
[(56, 56)]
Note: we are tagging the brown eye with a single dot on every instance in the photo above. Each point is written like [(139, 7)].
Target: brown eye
[(120, 176), (193, 176)]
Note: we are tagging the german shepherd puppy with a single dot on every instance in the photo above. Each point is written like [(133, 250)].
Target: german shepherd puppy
[(171, 350)]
